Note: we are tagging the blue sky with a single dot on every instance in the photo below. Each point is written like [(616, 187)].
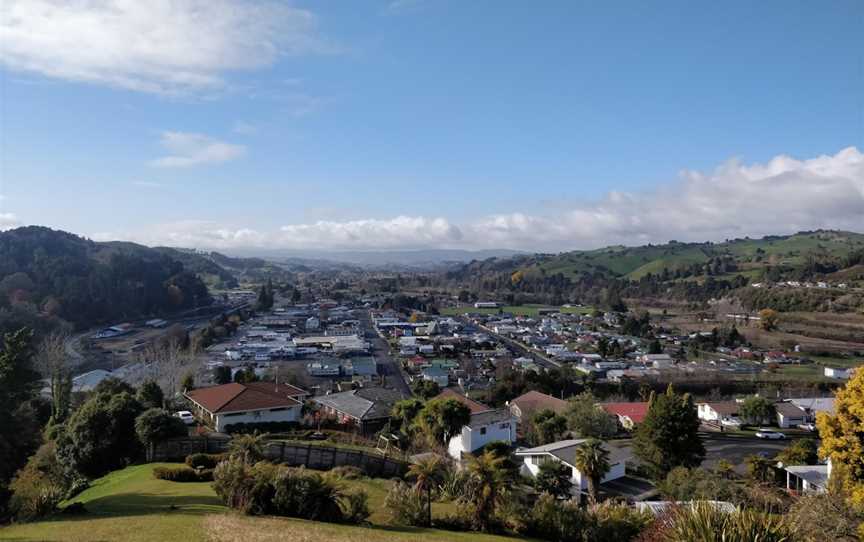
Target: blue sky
[(411, 124)]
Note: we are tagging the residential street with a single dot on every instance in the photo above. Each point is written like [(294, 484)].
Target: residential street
[(387, 366)]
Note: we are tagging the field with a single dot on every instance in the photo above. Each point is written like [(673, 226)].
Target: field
[(518, 310), (131, 505)]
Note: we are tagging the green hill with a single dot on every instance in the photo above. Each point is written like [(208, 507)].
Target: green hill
[(132, 506)]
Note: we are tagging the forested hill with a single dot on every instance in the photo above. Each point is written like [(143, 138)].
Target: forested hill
[(221, 271), (681, 269), (49, 276)]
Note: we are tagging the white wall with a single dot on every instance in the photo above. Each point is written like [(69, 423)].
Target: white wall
[(616, 470), (471, 439), (291, 414)]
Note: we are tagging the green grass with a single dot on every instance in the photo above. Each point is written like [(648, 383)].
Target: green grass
[(131, 505)]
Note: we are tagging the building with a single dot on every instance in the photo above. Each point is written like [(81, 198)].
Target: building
[(564, 452), (486, 425), (813, 405), (253, 402), (486, 305), (528, 404), (367, 409), (436, 374), (719, 412), (807, 478), (657, 361), (629, 414), (840, 373), (789, 415)]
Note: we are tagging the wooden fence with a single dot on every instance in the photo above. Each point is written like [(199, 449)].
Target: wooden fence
[(313, 456)]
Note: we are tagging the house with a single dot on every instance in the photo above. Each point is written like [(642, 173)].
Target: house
[(813, 405), (253, 402), (486, 425), (368, 409), (436, 374), (629, 414), (839, 372), (807, 478), (719, 412), (486, 305), (657, 361), (565, 452), (528, 404), (789, 415)]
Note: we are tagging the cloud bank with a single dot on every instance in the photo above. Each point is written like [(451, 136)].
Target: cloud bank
[(8, 221), (157, 46), (784, 195), (189, 149)]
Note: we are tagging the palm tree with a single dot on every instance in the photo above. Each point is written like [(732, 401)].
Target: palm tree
[(427, 473), (488, 478), (592, 460), (248, 448)]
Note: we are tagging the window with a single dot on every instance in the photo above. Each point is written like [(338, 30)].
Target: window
[(504, 426), (234, 414), (482, 430), (278, 409)]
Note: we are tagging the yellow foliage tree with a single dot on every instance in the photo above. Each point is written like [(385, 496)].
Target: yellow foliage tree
[(843, 436), (517, 277), (768, 319)]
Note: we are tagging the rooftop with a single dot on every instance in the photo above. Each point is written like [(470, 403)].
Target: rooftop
[(242, 397)]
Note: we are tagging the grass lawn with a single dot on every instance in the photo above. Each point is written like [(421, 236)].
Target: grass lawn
[(131, 505), (518, 310)]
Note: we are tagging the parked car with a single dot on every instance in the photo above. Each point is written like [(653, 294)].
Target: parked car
[(186, 417), (770, 434), (808, 427)]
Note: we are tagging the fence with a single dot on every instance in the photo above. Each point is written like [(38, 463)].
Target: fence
[(313, 456)]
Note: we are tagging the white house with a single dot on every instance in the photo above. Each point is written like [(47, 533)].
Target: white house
[(253, 402), (565, 452), (807, 478), (839, 372), (789, 415), (486, 425), (719, 412)]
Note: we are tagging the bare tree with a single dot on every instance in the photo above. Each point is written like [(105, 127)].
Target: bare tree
[(52, 362)]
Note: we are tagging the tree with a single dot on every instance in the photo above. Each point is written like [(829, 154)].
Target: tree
[(427, 473), (683, 484), (768, 319), (655, 347), (222, 374), (803, 451), (592, 460), (442, 418), (100, 436), (487, 479), (843, 436), (669, 435), (188, 382), (155, 425), (757, 410), (51, 359), (426, 389), (248, 448), (548, 427), (150, 395), (19, 427), (554, 477), (403, 414), (587, 420), (760, 469)]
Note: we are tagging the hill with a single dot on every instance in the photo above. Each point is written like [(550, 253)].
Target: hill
[(131, 505), (676, 269), (49, 277)]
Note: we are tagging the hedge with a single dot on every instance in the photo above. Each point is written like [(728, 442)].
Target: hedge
[(183, 474), (206, 461), (260, 427)]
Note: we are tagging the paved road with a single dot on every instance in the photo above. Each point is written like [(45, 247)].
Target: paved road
[(387, 366), (540, 359)]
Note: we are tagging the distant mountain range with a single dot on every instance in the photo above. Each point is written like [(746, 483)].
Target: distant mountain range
[(417, 259)]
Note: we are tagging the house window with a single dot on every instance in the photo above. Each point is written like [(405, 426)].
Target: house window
[(504, 426), (278, 409), (482, 430), (230, 414)]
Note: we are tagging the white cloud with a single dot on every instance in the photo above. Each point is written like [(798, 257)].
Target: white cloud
[(8, 221), (190, 149), (159, 46), (784, 195)]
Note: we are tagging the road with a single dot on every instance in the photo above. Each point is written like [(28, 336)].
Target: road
[(387, 366), (540, 359)]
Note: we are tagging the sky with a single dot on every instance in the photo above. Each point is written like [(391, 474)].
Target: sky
[(417, 124)]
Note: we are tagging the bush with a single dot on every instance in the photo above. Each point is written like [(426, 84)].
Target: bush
[(556, 520), (206, 461), (260, 427), (183, 474), (704, 522), (347, 472), (355, 507), (406, 505)]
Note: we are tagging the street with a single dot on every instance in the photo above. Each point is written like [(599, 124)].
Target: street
[(380, 350)]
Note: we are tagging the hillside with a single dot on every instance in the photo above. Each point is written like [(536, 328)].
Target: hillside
[(131, 505), (49, 277)]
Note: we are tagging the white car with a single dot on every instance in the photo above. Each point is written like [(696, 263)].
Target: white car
[(186, 417), (808, 427), (770, 434)]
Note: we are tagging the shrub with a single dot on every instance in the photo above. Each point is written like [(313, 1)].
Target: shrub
[(556, 520), (704, 522), (347, 472), (355, 507), (406, 505), (304, 494), (183, 474), (31, 502), (617, 522), (260, 427), (206, 461)]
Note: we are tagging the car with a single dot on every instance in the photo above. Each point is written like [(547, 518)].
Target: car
[(770, 434), (186, 417), (808, 427)]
